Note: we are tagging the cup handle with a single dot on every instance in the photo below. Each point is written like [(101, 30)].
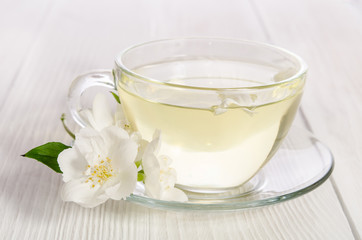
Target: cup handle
[(103, 78)]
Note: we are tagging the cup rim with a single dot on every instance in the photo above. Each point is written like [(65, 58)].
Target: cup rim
[(303, 68)]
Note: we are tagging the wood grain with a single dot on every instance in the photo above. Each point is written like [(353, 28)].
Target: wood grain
[(46, 44), (329, 39)]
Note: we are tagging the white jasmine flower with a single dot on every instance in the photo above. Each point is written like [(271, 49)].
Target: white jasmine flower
[(160, 178), (120, 119), (102, 116), (99, 166)]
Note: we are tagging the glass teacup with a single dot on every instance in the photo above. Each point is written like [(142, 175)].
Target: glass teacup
[(223, 106)]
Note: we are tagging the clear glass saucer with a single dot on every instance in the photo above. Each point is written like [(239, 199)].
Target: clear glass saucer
[(301, 164)]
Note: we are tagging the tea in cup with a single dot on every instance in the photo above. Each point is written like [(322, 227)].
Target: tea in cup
[(223, 106)]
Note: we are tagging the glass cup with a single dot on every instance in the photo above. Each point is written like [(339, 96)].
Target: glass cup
[(223, 106)]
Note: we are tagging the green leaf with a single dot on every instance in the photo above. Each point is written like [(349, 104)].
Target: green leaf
[(116, 97), (140, 177), (48, 154)]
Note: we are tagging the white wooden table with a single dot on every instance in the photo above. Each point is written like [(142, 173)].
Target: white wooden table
[(44, 44)]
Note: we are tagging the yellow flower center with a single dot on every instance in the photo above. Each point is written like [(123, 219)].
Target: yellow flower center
[(99, 173)]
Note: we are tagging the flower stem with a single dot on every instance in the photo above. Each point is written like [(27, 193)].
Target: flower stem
[(62, 118)]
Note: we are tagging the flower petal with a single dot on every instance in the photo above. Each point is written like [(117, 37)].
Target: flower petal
[(82, 194), (120, 119), (123, 154), (168, 178), (149, 159), (102, 112), (87, 115), (164, 161), (142, 144), (174, 194), (125, 183), (113, 134), (150, 163), (152, 183), (72, 164), (90, 144), (84, 139), (155, 145)]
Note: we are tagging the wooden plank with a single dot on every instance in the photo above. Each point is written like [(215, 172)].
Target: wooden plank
[(17, 38), (69, 44), (328, 34)]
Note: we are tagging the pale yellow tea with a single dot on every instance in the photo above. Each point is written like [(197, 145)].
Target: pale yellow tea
[(219, 140)]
